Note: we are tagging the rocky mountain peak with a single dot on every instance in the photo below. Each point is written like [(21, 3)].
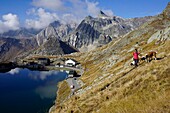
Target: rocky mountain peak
[(55, 24), (89, 17), (56, 29), (91, 31), (166, 12), (102, 14)]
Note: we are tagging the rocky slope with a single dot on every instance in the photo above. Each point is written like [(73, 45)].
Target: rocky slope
[(111, 85), (11, 47), (94, 32), (54, 46), (16, 42), (56, 29)]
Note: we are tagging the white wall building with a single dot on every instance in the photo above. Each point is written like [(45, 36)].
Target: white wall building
[(70, 62)]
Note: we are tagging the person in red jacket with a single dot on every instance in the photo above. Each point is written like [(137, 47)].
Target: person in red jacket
[(136, 57)]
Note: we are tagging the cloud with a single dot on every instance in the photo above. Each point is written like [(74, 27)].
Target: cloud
[(9, 22), (14, 71), (36, 75), (52, 4), (43, 19), (31, 11), (44, 75), (46, 92), (69, 18), (92, 8), (67, 11), (108, 12)]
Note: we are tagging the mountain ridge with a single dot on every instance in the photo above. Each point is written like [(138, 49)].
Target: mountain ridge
[(88, 35), (10, 48), (90, 29)]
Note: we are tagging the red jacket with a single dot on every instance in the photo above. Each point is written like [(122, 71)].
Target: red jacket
[(135, 55)]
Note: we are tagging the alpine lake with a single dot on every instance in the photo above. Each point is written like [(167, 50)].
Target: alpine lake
[(27, 91)]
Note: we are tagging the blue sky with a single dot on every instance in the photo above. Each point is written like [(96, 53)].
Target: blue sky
[(39, 13)]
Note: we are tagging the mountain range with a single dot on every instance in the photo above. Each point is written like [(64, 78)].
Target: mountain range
[(86, 36)]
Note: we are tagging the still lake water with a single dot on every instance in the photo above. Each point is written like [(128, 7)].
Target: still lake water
[(26, 91)]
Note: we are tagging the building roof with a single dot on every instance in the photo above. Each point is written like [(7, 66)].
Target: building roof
[(73, 60)]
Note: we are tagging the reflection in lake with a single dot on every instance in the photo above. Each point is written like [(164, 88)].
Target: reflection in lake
[(25, 91)]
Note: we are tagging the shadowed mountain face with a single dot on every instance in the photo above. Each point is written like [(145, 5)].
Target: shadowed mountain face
[(54, 46), (16, 42), (11, 48)]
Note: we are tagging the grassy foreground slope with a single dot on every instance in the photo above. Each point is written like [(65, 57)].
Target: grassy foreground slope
[(111, 85)]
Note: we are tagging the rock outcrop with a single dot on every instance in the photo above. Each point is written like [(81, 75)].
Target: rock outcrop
[(56, 29), (54, 46), (160, 36)]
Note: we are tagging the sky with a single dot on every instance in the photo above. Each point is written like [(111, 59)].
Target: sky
[(37, 14)]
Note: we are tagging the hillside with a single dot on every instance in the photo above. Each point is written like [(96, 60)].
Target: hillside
[(111, 85), (10, 48)]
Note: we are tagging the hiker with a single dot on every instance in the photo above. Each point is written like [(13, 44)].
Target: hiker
[(136, 57)]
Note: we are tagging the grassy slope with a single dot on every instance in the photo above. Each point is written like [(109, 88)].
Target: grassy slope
[(64, 92), (112, 86), (142, 89)]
